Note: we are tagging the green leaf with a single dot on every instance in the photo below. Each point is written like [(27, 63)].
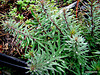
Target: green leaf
[(60, 69), (98, 52), (33, 14), (40, 43)]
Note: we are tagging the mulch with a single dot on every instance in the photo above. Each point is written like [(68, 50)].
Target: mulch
[(7, 41), (8, 44)]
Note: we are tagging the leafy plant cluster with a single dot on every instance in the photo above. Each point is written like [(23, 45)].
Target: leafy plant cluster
[(58, 44)]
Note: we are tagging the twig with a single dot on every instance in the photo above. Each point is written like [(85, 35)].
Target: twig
[(20, 32), (51, 18), (77, 8), (41, 25), (66, 19), (92, 17)]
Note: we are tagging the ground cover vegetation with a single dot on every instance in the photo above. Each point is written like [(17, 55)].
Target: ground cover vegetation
[(56, 40)]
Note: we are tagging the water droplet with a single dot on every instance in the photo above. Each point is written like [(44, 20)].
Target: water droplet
[(38, 27), (80, 63), (54, 56), (38, 54), (85, 63), (63, 61), (60, 52), (47, 61), (76, 52)]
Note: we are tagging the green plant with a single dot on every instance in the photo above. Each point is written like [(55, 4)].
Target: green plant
[(21, 17), (95, 67), (47, 59), (56, 43), (69, 1), (3, 1), (92, 25), (13, 12), (23, 4)]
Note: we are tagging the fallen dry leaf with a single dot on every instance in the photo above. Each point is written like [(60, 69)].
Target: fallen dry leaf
[(1, 49), (0, 46)]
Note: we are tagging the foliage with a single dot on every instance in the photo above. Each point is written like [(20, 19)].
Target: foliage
[(24, 3), (57, 44), (95, 66), (49, 58), (92, 26)]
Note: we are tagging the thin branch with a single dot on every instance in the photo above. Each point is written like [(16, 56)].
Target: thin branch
[(65, 18), (57, 27), (92, 17), (20, 32), (41, 25), (77, 8), (51, 18)]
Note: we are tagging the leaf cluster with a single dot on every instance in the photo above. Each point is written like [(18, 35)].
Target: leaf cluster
[(58, 44)]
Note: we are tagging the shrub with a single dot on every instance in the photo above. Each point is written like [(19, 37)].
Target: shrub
[(57, 43)]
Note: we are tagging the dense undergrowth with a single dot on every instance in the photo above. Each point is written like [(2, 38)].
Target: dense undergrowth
[(56, 43)]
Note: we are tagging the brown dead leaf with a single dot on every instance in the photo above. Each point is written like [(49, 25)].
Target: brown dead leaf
[(0, 46), (5, 46), (1, 49)]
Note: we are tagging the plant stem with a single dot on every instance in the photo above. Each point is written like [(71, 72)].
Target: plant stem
[(66, 19), (41, 25), (51, 19), (92, 23), (20, 32), (77, 8)]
